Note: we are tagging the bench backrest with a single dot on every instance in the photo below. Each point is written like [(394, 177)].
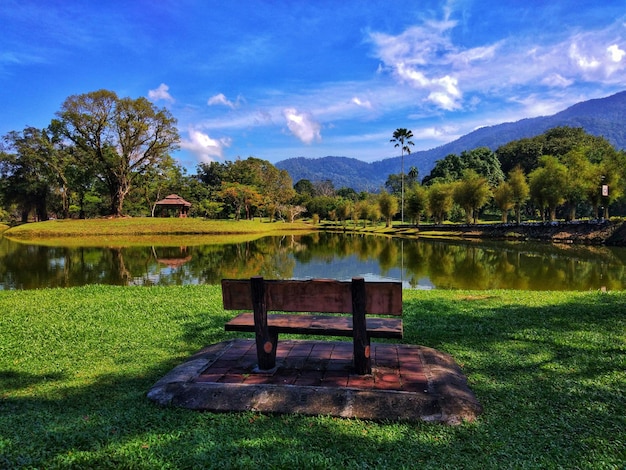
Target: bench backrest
[(315, 295)]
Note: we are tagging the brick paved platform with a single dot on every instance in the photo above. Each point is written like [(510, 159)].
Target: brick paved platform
[(316, 377)]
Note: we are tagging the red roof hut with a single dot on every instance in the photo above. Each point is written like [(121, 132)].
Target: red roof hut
[(174, 201)]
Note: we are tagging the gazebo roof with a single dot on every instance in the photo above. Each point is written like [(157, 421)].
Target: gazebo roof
[(173, 200)]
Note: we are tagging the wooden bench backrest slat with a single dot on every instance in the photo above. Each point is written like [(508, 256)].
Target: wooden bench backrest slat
[(316, 295)]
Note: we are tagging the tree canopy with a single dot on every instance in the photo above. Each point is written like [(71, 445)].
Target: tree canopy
[(120, 138)]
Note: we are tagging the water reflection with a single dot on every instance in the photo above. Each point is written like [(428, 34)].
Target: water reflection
[(420, 263)]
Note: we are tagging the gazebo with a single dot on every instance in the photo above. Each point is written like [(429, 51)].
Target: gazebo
[(174, 201)]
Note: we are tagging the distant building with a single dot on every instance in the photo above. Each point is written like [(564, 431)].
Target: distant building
[(174, 203)]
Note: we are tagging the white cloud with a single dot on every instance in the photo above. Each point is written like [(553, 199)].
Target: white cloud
[(615, 53), (302, 125), (437, 133), (443, 71), (362, 103), (583, 61), (220, 99), (161, 93), (425, 58), (557, 80), (204, 147)]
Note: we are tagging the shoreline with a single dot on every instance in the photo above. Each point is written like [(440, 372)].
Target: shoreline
[(578, 232), (609, 233)]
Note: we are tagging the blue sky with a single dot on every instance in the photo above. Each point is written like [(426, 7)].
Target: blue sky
[(280, 79)]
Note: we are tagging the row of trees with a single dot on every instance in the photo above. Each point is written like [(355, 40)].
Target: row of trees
[(564, 172), (105, 155)]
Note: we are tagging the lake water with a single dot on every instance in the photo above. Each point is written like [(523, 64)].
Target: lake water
[(418, 263)]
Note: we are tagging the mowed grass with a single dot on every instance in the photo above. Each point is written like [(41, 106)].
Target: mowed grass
[(549, 369)]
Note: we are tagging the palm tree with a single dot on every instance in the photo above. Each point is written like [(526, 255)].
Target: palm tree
[(401, 138)]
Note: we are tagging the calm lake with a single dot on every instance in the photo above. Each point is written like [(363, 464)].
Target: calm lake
[(418, 263)]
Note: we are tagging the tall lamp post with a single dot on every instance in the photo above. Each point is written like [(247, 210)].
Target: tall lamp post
[(401, 138)]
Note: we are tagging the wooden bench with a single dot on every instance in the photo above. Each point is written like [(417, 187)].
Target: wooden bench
[(356, 297)]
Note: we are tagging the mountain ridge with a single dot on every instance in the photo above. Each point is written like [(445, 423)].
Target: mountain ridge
[(603, 117)]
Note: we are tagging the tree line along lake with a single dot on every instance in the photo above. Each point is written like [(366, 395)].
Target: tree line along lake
[(419, 263)]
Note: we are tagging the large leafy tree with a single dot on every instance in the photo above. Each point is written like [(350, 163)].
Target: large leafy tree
[(37, 165), (121, 138), (520, 191), (242, 198), (548, 185), (471, 193), (273, 186), (402, 138), (558, 141), (388, 205), (440, 200), (523, 153), (481, 160), (485, 163), (503, 198), (446, 170), (416, 203)]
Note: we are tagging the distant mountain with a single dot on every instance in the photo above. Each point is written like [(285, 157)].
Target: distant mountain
[(605, 117)]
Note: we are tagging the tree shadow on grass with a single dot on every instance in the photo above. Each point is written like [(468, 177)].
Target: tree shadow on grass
[(551, 380), (555, 371)]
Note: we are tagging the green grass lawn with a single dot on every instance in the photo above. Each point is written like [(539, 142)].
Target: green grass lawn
[(148, 226), (148, 231), (549, 369)]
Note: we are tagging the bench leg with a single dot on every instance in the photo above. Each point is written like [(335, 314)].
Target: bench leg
[(266, 337), (362, 359), (266, 349)]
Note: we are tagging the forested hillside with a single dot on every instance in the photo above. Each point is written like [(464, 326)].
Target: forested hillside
[(605, 117)]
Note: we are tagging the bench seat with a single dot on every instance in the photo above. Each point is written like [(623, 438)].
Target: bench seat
[(324, 325)]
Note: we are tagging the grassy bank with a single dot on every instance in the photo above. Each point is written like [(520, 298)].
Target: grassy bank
[(139, 231), (549, 369)]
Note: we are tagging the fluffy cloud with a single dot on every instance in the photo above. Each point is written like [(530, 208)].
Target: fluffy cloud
[(220, 99), (584, 61), (161, 94), (428, 58), (615, 53), (302, 125), (204, 147), (425, 58), (594, 60)]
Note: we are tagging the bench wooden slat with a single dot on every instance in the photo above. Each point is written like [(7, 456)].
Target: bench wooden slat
[(323, 325), (315, 295)]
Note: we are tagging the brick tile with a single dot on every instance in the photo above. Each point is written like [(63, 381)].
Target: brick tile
[(294, 362), (387, 379), (361, 381), (301, 350), (218, 369), (308, 378), (412, 368), (339, 365), (415, 386), (334, 379), (253, 379), (208, 378), (341, 353), (322, 350), (232, 379)]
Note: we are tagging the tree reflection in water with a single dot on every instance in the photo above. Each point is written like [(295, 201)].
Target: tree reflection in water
[(418, 263)]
